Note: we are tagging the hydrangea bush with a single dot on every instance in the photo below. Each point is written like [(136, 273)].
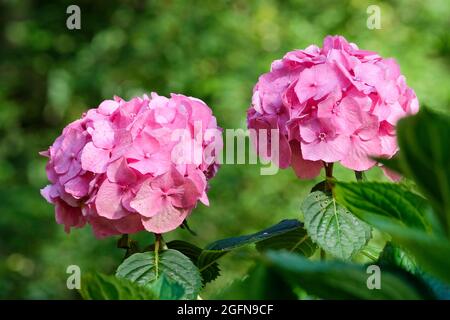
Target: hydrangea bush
[(144, 164)]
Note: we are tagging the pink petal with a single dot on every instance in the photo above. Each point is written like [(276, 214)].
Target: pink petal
[(108, 201), (358, 155), (304, 169), (107, 107), (94, 159), (148, 201), (120, 173), (166, 220), (103, 134)]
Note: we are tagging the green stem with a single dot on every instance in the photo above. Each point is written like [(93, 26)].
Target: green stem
[(328, 169), (359, 175), (157, 245), (322, 255)]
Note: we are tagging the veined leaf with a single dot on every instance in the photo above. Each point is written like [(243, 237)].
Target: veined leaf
[(296, 240), (425, 157), (143, 269), (103, 287), (333, 227), (383, 199), (217, 249), (193, 252)]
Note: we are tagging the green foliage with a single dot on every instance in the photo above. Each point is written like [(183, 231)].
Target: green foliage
[(296, 240), (339, 280), (425, 157), (393, 256), (379, 209), (147, 267), (333, 227), (260, 283), (383, 200), (217, 249), (209, 273), (104, 287)]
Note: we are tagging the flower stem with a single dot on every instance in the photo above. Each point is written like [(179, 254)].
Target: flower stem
[(328, 169), (322, 255), (157, 245), (359, 176)]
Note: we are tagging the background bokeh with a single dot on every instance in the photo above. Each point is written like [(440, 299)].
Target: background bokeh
[(213, 50)]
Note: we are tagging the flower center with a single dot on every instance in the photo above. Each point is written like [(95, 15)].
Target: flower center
[(322, 136), (147, 155)]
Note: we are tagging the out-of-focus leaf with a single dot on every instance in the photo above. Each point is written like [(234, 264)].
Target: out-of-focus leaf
[(103, 287), (339, 280)]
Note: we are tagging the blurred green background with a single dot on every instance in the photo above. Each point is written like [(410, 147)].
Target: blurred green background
[(213, 50)]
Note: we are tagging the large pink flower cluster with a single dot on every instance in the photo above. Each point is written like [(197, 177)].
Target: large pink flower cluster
[(127, 166), (332, 104)]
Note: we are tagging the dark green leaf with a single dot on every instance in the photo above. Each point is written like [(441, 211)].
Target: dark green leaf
[(296, 240), (143, 269), (393, 256), (166, 289), (217, 249), (338, 280), (333, 227), (193, 252), (383, 199), (425, 157), (261, 283), (104, 287)]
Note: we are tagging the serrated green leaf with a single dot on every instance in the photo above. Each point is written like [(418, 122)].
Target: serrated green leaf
[(383, 199), (193, 252), (166, 289), (142, 269), (296, 240), (333, 227), (217, 249), (392, 255), (339, 280), (425, 157), (385, 213), (104, 287)]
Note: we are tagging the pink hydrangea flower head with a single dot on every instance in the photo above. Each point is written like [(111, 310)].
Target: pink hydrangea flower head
[(331, 104), (128, 166)]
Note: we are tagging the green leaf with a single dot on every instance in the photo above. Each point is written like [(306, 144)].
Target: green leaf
[(383, 199), (103, 287), (165, 289), (193, 252), (396, 213), (142, 269), (261, 283), (333, 227), (431, 252), (339, 280), (425, 157), (392, 255), (296, 240), (217, 249)]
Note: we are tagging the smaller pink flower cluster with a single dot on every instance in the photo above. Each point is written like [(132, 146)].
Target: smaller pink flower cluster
[(330, 104), (123, 166)]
